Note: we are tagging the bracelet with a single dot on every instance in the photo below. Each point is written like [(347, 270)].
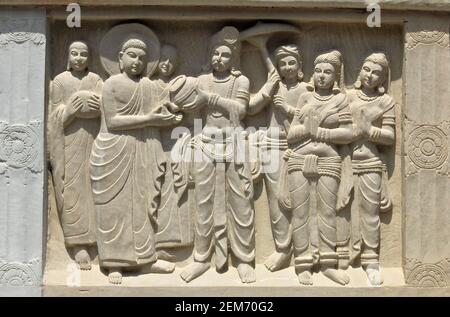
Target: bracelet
[(213, 99), (375, 133), (323, 134)]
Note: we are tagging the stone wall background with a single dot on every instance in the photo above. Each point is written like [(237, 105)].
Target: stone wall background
[(355, 41)]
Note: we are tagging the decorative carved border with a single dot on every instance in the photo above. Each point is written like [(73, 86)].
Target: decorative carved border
[(20, 146), (426, 147), (18, 274), (427, 274), (427, 37), (19, 31)]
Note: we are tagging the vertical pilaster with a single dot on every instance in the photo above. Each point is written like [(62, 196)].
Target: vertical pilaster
[(426, 175), (22, 172)]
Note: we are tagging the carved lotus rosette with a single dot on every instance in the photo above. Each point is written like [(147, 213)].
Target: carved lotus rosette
[(427, 274), (20, 146), (427, 37), (17, 274), (19, 31), (427, 147)]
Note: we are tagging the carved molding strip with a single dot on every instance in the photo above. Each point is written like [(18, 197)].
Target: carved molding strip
[(18, 274), (426, 147), (426, 37), (20, 146), (427, 274), (19, 31)]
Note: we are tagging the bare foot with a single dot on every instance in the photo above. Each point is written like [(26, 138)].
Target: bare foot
[(115, 276), (339, 277), (194, 270), (161, 266), (246, 273), (374, 274), (82, 258), (277, 260), (305, 277)]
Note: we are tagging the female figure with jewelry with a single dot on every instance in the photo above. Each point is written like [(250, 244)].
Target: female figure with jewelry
[(311, 175), (373, 113)]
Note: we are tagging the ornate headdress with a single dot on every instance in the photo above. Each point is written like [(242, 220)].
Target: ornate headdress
[(290, 50), (380, 59), (228, 36)]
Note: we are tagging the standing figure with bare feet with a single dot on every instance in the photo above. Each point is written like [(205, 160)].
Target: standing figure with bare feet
[(280, 94), (127, 159), (312, 169), (374, 128), (222, 175), (73, 125)]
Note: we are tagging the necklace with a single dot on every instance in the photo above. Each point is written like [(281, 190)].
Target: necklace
[(364, 97), (322, 98)]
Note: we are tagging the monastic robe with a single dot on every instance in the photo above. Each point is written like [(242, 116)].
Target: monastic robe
[(70, 148), (126, 171), (175, 215)]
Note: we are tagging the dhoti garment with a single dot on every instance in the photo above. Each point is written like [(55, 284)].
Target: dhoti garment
[(309, 187), (369, 197), (270, 152), (126, 172), (224, 191)]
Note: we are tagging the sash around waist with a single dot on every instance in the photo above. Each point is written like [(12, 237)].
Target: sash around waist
[(313, 165), (372, 165)]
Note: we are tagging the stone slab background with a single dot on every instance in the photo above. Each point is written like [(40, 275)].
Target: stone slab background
[(355, 41)]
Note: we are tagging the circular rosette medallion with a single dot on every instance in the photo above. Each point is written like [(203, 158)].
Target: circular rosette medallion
[(427, 37), (18, 146), (427, 147), (17, 274), (428, 275)]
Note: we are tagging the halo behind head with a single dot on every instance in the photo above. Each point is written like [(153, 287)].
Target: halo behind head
[(125, 36)]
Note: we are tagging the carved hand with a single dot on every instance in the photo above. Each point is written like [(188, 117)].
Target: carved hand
[(362, 126), (94, 102), (75, 104), (202, 96), (171, 106), (161, 116), (272, 82), (278, 101)]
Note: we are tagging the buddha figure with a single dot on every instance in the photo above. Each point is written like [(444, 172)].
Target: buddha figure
[(127, 166)]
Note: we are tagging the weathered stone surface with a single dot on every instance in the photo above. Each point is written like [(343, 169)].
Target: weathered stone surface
[(22, 141), (354, 195)]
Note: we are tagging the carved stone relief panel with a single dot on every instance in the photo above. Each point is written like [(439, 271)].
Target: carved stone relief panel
[(155, 93)]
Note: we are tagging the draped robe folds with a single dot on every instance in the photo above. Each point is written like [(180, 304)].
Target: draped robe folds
[(312, 188), (126, 171), (370, 193), (175, 215), (70, 149)]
